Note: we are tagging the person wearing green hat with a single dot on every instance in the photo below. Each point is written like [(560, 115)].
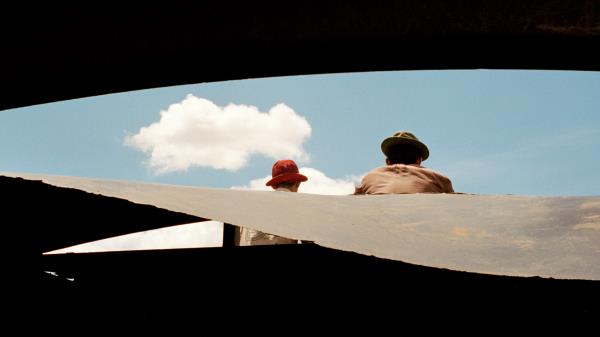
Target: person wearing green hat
[(403, 172)]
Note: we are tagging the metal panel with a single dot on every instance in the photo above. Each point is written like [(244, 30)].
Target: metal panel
[(497, 234)]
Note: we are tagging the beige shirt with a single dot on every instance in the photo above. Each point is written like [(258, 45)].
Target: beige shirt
[(400, 178), (251, 237)]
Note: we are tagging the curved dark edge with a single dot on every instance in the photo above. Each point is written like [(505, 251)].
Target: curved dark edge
[(53, 52)]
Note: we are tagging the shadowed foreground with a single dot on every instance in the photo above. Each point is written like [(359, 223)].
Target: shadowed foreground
[(271, 289), (300, 288)]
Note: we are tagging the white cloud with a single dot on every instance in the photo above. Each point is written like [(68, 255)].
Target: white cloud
[(197, 132), (317, 183), (197, 234)]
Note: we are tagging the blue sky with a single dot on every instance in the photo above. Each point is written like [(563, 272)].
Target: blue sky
[(490, 132)]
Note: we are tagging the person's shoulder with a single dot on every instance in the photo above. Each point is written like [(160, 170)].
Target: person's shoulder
[(436, 173), (367, 180), (377, 170), (446, 182), (372, 175), (422, 168)]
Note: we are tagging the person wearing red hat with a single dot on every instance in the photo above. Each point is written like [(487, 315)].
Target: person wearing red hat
[(403, 172), (285, 177)]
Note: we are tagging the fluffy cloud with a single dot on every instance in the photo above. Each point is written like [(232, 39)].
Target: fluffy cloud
[(197, 132), (318, 183)]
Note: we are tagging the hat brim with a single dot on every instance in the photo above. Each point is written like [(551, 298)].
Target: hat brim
[(391, 141), (285, 178)]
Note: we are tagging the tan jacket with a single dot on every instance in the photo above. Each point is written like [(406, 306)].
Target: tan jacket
[(400, 178)]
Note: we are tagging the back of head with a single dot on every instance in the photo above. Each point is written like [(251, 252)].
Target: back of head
[(404, 148), (290, 185), (403, 154)]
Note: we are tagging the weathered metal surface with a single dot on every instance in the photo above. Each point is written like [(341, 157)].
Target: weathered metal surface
[(497, 234)]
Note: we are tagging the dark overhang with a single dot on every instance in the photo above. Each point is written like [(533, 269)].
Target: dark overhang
[(52, 52)]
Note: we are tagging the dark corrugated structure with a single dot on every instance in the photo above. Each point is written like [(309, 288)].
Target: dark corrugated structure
[(53, 52)]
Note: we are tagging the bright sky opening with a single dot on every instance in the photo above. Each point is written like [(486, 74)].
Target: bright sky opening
[(489, 131)]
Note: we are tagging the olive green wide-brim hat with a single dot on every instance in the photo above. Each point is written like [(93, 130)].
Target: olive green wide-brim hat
[(406, 138)]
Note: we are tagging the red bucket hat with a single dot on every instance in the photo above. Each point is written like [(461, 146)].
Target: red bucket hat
[(285, 170)]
